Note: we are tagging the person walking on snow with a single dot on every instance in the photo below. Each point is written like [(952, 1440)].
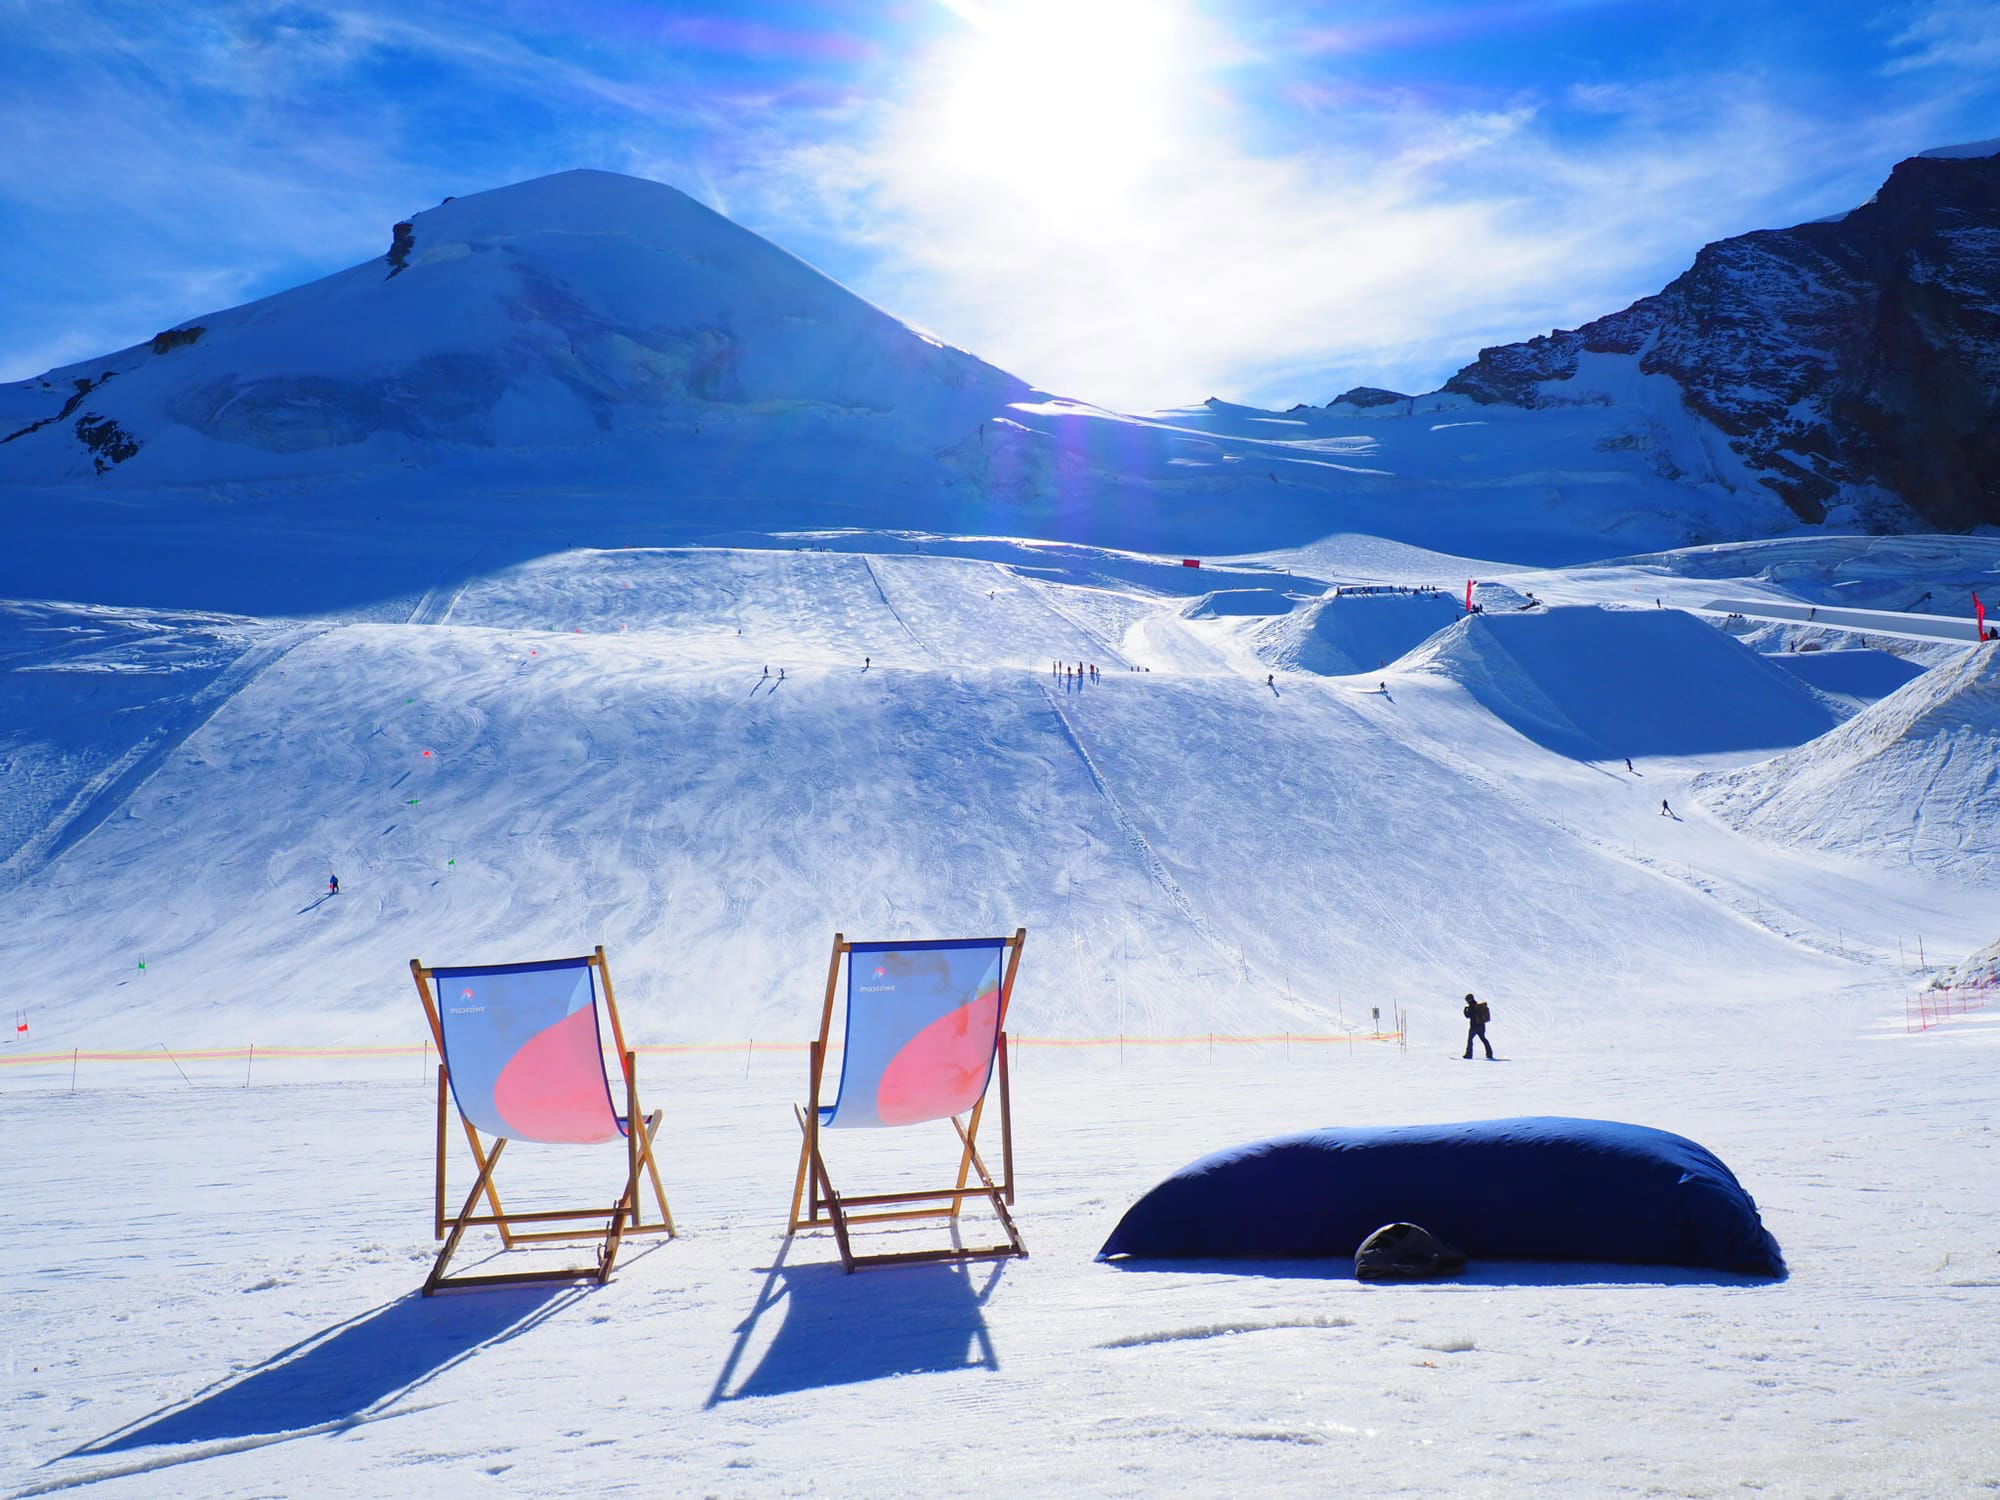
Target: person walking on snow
[(333, 885), (1665, 811), (1476, 1017)]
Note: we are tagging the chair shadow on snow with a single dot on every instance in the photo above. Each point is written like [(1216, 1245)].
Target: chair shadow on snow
[(1479, 1273), (341, 1376), (842, 1329)]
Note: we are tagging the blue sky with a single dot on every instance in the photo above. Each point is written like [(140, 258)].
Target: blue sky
[(1138, 202)]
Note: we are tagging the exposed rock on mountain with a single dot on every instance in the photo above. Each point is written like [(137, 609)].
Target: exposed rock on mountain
[(1366, 396), (1854, 360)]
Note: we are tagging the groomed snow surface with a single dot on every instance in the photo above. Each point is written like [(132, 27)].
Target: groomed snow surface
[(711, 758)]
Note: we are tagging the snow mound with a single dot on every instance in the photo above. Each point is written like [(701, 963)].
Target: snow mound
[(1221, 602), (1347, 632), (1980, 968), (1599, 683), (1912, 781)]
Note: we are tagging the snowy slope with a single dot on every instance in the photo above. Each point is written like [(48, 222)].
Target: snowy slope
[(1342, 633), (1193, 850), (1912, 781)]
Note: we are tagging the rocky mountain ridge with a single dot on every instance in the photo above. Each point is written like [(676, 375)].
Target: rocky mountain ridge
[(1851, 361)]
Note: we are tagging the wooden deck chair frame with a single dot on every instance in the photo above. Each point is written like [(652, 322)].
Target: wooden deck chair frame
[(817, 1204), (625, 1217)]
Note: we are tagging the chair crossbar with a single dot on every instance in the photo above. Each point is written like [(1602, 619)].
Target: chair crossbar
[(516, 1278)]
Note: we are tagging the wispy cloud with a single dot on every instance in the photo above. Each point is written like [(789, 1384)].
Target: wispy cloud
[(1389, 251), (1951, 34)]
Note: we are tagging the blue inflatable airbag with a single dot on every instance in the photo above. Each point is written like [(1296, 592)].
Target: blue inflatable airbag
[(1538, 1188)]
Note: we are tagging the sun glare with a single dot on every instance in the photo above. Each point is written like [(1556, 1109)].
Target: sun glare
[(1059, 102)]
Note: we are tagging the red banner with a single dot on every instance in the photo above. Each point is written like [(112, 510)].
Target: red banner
[(1468, 596), (1979, 619)]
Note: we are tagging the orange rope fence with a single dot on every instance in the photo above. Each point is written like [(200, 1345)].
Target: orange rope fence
[(252, 1054)]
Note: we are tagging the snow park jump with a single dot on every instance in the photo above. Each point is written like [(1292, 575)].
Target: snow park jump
[(589, 570)]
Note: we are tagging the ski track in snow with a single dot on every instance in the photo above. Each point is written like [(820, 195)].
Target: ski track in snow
[(110, 788), (1142, 850)]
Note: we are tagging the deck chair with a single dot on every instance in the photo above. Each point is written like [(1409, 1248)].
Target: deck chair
[(925, 1037), (524, 1061)]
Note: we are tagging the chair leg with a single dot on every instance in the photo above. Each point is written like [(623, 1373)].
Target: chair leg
[(994, 1194), (458, 1225), (835, 1211)]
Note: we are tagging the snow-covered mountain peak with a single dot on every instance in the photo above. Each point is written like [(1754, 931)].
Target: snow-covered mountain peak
[(1961, 153), (551, 314)]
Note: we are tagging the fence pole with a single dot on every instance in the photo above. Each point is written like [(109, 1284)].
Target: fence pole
[(249, 1064), (177, 1066), (72, 1070)]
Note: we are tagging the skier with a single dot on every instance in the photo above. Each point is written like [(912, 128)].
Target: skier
[(1666, 811), (333, 885), (1476, 1017), (1628, 765), (781, 674), (767, 671), (867, 662), (1270, 680)]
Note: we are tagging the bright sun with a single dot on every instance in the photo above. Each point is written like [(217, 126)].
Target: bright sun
[(1060, 102)]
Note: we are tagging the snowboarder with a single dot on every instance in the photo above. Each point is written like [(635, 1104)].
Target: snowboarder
[(1665, 811), (1476, 1017), (333, 885)]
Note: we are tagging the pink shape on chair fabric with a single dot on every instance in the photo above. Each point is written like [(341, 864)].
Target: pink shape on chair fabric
[(942, 1071), (553, 1088)]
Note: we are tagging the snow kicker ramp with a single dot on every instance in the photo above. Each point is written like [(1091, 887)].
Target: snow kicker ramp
[(1539, 1188), (1912, 781), (1345, 633), (1598, 683)]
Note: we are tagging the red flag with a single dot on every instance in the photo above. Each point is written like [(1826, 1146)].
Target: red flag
[(1468, 596), (1979, 618)]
